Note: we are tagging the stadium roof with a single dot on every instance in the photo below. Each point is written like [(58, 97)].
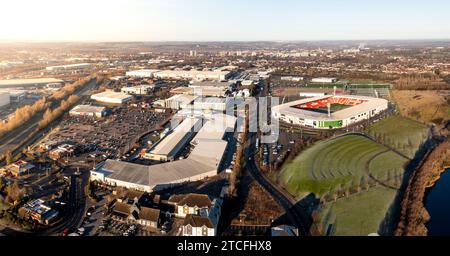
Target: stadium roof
[(369, 104)]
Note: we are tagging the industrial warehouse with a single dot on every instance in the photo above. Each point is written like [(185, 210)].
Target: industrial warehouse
[(173, 142), (204, 161), (142, 73), (193, 75), (88, 110), (205, 88), (329, 112), (69, 67), (199, 75), (4, 99), (143, 89), (34, 82), (112, 97)]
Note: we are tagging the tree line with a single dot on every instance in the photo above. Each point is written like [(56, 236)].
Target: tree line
[(413, 215), (52, 114), (26, 113), (22, 115), (421, 82)]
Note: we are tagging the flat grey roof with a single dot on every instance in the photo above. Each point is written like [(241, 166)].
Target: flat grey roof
[(205, 158), (111, 95), (87, 109), (212, 84), (155, 175), (168, 143), (31, 81)]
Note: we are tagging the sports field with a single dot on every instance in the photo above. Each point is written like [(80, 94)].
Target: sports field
[(333, 108), (401, 133), (339, 163)]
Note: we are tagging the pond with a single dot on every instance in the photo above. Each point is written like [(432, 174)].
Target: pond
[(437, 203)]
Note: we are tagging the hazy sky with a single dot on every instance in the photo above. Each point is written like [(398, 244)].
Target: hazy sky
[(220, 20)]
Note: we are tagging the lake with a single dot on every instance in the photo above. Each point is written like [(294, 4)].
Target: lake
[(437, 203)]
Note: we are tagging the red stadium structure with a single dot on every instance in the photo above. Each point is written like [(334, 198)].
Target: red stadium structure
[(332, 100)]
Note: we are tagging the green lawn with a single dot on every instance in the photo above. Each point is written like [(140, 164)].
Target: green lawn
[(341, 162), (404, 134), (387, 165), (358, 215)]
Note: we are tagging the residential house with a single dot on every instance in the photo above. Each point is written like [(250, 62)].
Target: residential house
[(197, 226), (121, 212), (149, 217), (190, 204), (133, 213)]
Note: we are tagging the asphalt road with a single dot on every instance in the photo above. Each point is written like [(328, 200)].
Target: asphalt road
[(293, 211), (76, 206), (297, 216)]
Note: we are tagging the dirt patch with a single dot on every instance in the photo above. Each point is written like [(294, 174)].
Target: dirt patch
[(424, 106)]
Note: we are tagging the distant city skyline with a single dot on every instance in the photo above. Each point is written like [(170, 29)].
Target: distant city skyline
[(203, 20)]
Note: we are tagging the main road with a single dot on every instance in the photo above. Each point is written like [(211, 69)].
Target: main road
[(293, 211), (76, 206)]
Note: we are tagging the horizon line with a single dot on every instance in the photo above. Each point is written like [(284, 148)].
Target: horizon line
[(224, 41)]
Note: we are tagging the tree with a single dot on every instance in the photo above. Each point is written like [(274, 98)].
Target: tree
[(364, 183), (9, 157), (14, 192), (2, 185)]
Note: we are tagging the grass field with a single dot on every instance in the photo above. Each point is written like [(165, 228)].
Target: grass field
[(334, 164), (401, 133), (424, 106), (360, 214)]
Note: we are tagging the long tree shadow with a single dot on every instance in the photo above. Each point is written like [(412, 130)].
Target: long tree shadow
[(235, 206), (389, 223), (307, 206)]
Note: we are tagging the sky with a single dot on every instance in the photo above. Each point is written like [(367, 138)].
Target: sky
[(220, 20)]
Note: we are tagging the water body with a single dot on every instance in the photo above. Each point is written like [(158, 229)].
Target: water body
[(437, 203)]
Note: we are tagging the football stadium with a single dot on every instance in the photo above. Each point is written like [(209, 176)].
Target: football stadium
[(329, 112)]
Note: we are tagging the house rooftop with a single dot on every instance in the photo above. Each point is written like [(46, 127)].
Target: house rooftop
[(150, 214), (191, 200), (197, 221)]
